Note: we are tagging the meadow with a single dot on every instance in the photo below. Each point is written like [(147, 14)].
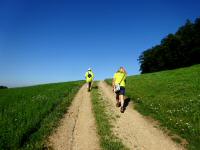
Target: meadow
[(171, 97), (29, 114)]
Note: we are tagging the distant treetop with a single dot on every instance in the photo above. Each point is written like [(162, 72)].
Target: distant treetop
[(175, 50)]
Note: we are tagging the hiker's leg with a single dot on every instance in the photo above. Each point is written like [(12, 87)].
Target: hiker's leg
[(118, 104), (121, 95), (121, 99), (122, 109), (89, 86)]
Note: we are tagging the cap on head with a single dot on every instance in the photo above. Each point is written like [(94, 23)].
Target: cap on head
[(89, 69)]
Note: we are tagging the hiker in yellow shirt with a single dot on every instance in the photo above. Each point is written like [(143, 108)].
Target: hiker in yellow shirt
[(89, 76), (119, 83)]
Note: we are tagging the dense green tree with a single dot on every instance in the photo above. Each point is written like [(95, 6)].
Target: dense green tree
[(175, 50)]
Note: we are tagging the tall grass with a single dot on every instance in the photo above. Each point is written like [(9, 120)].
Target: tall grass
[(28, 115), (104, 127), (172, 97)]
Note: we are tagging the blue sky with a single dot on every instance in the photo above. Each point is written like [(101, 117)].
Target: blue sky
[(53, 41)]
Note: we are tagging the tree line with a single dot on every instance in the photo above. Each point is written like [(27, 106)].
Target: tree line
[(3, 87), (175, 50)]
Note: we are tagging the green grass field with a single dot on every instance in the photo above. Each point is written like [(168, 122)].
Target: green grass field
[(107, 139), (172, 97), (28, 114)]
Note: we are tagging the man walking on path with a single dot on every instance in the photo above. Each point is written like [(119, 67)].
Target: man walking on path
[(119, 83), (89, 76)]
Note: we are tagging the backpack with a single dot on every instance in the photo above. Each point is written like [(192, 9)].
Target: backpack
[(89, 75)]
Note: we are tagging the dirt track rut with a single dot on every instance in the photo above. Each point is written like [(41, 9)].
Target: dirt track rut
[(135, 131), (77, 130)]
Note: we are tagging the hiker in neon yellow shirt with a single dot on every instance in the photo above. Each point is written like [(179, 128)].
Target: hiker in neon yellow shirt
[(89, 76), (119, 83)]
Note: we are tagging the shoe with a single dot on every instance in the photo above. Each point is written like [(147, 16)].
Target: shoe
[(122, 110)]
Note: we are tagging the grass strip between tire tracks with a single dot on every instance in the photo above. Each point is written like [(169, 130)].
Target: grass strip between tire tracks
[(108, 140)]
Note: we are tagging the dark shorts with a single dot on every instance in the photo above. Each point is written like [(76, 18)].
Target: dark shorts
[(121, 91)]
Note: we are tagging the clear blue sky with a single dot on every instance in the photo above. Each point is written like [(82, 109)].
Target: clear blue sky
[(52, 41)]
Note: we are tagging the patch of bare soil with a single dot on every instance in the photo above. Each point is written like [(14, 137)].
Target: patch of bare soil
[(77, 130)]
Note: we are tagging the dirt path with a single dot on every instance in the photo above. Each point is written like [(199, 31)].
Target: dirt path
[(77, 130), (135, 131)]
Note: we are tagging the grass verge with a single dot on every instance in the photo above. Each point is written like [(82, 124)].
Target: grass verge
[(29, 114), (172, 97), (107, 139)]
